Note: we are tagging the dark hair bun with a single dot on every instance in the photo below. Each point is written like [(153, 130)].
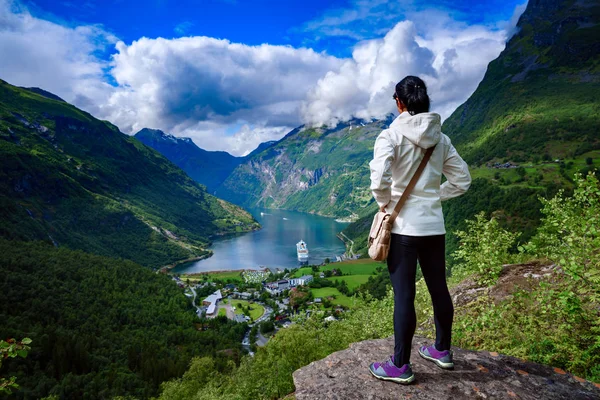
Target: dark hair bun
[(412, 91)]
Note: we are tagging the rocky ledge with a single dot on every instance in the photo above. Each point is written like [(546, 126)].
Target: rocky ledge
[(344, 375)]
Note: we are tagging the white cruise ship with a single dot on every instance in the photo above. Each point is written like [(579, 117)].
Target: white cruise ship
[(302, 251)]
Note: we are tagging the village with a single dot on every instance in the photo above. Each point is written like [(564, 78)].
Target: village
[(266, 298)]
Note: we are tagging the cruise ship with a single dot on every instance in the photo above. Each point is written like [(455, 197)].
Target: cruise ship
[(302, 251)]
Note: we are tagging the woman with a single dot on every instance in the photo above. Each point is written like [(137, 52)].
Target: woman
[(418, 233)]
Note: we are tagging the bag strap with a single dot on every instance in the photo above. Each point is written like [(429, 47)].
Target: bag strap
[(411, 185)]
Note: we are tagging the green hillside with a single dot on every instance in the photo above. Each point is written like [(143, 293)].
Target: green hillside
[(540, 98), (72, 180), (100, 327), (316, 170)]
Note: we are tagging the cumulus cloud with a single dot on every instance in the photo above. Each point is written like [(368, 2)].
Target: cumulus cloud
[(451, 57), (231, 96), (60, 59), (173, 84), (238, 140)]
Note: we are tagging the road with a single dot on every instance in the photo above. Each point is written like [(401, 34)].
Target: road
[(260, 339), (350, 252), (194, 301)]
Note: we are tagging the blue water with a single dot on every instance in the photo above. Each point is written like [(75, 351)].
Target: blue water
[(275, 244)]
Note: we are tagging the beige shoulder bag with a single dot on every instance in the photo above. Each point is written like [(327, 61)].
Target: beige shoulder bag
[(381, 229)]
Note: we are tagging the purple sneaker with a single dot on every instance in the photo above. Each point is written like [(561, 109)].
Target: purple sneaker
[(389, 372), (442, 358)]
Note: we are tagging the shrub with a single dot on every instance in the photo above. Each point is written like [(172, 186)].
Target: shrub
[(483, 249), (570, 234)]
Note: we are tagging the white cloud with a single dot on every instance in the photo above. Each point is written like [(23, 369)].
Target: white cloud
[(60, 59), (213, 136), (231, 96), (450, 56), (176, 83)]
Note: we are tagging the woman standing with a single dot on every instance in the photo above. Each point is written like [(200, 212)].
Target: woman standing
[(418, 233)]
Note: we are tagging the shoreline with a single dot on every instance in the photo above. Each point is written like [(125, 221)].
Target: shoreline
[(225, 270), (167, 268)]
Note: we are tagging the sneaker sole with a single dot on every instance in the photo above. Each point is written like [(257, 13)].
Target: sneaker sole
[(402, 381), (439, 363)]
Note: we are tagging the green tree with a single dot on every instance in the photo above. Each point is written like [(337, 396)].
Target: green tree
[(12, 348), (483, 248)]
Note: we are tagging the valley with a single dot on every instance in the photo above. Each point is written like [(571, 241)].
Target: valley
[(115, 246)]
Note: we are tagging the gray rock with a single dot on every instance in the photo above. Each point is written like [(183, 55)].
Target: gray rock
[(344, 375)]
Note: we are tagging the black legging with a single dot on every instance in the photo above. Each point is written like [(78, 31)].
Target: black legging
[(402, 265)]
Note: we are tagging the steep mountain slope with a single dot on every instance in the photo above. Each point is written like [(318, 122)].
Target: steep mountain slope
[(209, 168), (315, 170), (101, 327), (541, 96), (536, 112), (73, 180)]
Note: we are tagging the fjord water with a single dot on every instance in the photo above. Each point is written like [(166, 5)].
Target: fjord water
[(275, 244)]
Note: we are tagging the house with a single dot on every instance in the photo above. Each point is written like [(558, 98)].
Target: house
[(211, 301), (283, 284), (321, 275), (304, 280), (277, 287), (293, 282), (331, 318), (317, 300)]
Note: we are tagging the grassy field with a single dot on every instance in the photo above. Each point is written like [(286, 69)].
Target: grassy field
[(222, 312), (235, 275), (340, 299), (353, 281), (548, 171), (363, 266), (256, 309)]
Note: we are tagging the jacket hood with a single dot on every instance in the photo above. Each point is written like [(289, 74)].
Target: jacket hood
[(423, 130)]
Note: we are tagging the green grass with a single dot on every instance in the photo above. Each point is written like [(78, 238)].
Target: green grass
[(340, 299), (256, 311), (222, 312), (363, 266), (353, 281), (234, 275)]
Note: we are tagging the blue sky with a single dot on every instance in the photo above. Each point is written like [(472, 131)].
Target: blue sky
[(232, 73), (251, 22)]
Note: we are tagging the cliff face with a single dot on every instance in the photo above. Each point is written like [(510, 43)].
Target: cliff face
[(345, 375), (315, 170)]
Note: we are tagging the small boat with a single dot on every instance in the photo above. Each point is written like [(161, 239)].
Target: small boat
[(285, 219), (302, 251)]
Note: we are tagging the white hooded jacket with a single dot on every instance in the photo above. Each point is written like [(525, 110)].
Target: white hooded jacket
[(397, 153)]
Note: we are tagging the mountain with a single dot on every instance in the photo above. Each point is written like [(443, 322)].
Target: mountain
[(261, 147), (531, 123), (540, 97), (209, 168), (72, 180), (317, 170)]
